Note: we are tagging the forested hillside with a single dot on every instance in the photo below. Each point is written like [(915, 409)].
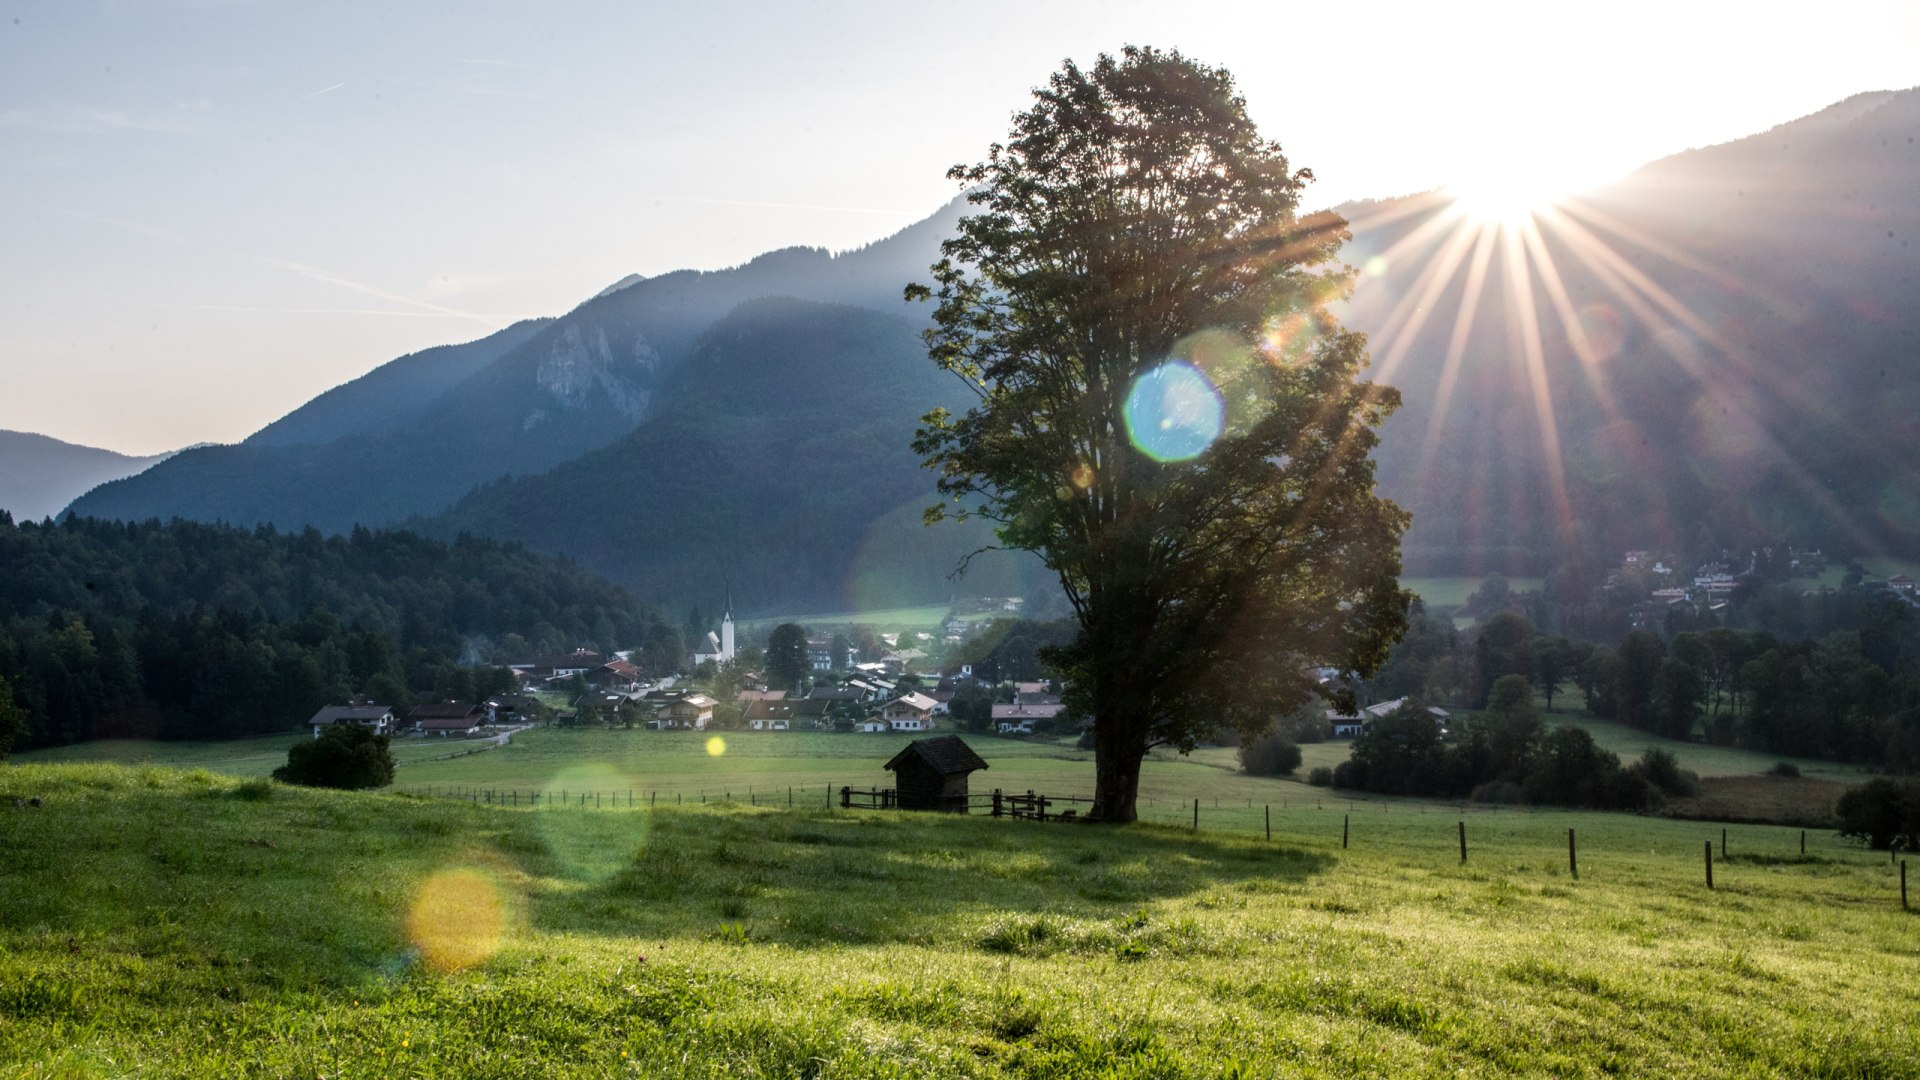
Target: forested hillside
[(776, 466), (185, 630)]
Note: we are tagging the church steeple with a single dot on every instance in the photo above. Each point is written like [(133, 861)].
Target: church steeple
[(726, 630)]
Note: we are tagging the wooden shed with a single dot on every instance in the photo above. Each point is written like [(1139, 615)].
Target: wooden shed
[(931, 774)]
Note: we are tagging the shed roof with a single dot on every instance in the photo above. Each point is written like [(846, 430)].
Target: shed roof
[(948, 755)]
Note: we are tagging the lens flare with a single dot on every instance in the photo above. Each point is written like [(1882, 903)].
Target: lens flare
[(716, 746), (1173, 413), (457, 920)]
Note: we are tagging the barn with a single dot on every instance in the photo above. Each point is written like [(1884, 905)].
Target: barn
[(931, 774)]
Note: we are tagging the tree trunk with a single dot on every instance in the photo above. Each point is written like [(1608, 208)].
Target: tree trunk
[(1116, 783)]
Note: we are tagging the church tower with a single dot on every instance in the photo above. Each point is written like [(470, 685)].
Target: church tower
[(726, 630)]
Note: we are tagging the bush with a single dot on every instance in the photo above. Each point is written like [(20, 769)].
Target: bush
[(1269, 755), (1662, 770), (348, 756), (1320, 776), (1882, 811), (1784, 768)]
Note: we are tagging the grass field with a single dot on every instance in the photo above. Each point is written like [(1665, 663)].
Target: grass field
[(182, 924), (235, 757), (682, 767), (1453, 591), (890, 620)]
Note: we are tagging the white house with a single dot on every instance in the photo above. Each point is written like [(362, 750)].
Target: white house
[(909, 712)]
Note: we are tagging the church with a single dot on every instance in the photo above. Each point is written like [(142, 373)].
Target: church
[(717, 648)]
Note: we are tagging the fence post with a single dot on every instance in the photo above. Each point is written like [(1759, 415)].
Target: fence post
[(789, 796), (1269, 823), (1573, 857), (1903, 884), (1803, 841), (1345, 821), (1196, 815), (1723, 843), (1463, 842), (846, 798), (996, 802), (1709, 864)]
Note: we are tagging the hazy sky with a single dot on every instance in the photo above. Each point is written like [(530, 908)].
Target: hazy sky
[(211, 210)]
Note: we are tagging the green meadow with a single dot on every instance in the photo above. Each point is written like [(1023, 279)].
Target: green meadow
[(161, 922), (235, 757), (1453, 591)]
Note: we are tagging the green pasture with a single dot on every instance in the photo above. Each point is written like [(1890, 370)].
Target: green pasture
[(903, 620), (1632, 744), (1439, 592), (166, 923), (235, 757), (1886, 566)]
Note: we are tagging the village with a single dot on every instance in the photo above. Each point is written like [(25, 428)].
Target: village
[(839, 692)]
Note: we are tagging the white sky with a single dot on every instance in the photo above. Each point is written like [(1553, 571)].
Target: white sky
[(211, 210)]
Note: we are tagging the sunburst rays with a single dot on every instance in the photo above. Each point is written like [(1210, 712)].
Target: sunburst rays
[(1571, 279)]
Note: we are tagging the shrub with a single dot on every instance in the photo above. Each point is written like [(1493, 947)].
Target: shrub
[(1881, 811), (1320, 776), (1269, 755), (1784, 768), (1662, 770), (346, 756)]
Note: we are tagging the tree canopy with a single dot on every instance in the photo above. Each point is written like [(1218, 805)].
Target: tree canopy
[(1166, 411), (346, 756), (788, 660)]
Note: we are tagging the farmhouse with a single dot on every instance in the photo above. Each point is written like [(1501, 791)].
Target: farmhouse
[(680, 710), (765, 715), (1018, 718), (447, 719), (909, 712), (377, 717), (1349, 725), (931, 774)]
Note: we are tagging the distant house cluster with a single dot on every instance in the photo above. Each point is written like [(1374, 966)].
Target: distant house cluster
[(1345, 725)]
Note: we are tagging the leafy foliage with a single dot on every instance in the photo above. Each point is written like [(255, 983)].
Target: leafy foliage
[(1882, 811), (788, 659), (1137, 216), (349, 756), (1269, 755)]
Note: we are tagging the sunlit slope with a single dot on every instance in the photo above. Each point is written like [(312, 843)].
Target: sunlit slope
[(170, 924)]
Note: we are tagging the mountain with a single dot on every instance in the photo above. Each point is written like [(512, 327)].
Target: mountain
[(1714, 352), (40, 475), (1717, 351), (774, 466), (417, 433)]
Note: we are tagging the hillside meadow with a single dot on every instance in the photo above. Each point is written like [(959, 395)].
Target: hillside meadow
[(763, 767), (182, 923)]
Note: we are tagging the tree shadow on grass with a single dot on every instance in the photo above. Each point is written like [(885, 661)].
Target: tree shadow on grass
[(812, 879)]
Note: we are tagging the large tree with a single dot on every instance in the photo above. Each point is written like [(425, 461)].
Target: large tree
[(1167, 412), (788, 660)]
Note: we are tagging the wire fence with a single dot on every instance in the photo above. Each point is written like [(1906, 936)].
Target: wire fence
[(1297, 820)]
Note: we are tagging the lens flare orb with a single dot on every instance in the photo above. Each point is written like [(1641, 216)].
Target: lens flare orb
[(457, 920), (1173, 413), (716, 746)]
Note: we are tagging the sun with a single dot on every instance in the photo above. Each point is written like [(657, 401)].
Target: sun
[(1512, 187)]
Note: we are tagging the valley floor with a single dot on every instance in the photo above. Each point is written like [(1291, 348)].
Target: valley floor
[(159, 922)]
